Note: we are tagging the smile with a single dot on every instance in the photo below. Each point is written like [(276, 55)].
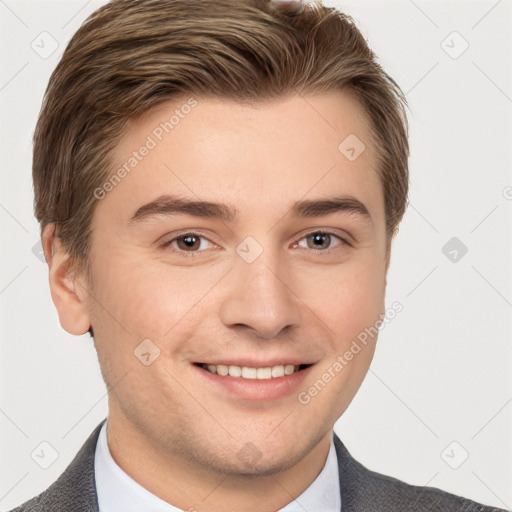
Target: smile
[(252, 381), (248, 372)]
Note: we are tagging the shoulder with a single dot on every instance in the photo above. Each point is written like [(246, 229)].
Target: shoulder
[(366, 490), (75, 489)]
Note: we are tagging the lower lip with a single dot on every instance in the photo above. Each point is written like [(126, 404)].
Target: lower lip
[(256, 389)]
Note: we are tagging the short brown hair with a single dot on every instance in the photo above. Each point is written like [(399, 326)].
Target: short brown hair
[(129, 56)]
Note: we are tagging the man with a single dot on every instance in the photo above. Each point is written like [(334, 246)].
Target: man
[(218, 184)]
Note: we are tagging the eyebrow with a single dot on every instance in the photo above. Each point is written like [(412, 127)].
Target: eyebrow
[(169, 205)]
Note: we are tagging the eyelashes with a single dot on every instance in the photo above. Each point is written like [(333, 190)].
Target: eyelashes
[(330, 236), (195, 237)]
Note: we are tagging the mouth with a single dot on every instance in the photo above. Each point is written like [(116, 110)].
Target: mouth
[(249, 380), (251, 372)]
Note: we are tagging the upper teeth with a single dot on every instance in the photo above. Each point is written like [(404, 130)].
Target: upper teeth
[(247, 372)]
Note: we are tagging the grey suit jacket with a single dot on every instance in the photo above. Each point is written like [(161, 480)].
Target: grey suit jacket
[(362, 490)]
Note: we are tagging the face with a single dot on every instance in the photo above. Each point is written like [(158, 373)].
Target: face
[(280, 270)]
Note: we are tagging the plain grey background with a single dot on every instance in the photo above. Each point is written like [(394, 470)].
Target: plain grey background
[(436, 406)]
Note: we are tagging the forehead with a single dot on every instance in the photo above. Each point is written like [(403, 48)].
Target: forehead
[(261, 156)]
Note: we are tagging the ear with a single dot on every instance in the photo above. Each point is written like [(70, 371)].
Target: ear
[(388, 260), (67, 293)]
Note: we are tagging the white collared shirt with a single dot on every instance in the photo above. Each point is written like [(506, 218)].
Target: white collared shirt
[(118, 492)]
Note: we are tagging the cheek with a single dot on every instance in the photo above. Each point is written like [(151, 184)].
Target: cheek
[(352, 302), (149, 299), (349, 299)]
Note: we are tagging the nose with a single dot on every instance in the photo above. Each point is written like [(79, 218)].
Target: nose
[(259, 297)]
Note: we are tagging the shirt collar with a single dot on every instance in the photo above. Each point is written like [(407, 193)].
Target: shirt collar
[(118, 492)]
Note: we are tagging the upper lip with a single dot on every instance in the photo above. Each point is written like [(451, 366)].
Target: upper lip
[(258, 363)]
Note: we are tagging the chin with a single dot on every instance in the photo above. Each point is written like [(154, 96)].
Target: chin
[(260, 456)]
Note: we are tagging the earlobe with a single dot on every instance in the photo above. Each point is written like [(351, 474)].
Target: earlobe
[(65, 288)]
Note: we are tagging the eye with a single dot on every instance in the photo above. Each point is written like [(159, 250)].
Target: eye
[(188, 243), (321, 241), (191, 243)]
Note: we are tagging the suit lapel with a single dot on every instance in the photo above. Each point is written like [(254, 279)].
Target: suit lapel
[(75, 489), (353, 480)]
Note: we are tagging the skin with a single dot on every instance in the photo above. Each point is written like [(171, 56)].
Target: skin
[(168, 429)]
